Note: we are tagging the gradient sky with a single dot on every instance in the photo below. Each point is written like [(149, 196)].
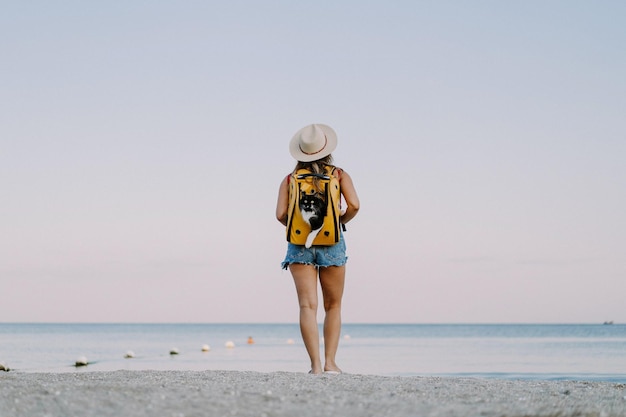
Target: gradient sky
[(142, 144)]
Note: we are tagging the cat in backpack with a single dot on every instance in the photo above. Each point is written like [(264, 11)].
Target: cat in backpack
[(313, 210), (314, 207)]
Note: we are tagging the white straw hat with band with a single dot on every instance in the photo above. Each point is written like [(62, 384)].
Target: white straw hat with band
[(313, 142)]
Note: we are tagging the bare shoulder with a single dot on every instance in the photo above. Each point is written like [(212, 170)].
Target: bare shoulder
[(347, 185), (342, 174)]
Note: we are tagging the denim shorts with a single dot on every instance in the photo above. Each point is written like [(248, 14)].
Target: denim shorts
[(319, 256)]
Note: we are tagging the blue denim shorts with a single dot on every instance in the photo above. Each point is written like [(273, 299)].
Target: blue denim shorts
[(320, 256)]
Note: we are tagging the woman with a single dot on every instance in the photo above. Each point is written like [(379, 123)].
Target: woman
[(311, 146)]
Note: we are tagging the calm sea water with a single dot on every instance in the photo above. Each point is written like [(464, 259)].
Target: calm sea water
[(581, 352)]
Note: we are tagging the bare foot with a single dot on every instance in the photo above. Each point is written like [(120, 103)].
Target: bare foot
[(316, 369), (333, 370)]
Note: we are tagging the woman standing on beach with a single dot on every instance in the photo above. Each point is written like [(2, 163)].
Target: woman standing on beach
[(311, 146)]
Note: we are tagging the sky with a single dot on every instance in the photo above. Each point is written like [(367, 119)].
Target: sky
[(142, 144)]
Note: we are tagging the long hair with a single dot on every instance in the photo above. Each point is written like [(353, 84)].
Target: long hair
[(316, 167)]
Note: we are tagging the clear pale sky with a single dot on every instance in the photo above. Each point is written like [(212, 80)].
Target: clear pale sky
[(142, 144)]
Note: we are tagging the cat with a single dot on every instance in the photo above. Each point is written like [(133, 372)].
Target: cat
[(313, 210)]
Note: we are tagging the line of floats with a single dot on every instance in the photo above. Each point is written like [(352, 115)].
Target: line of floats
[(82, 360)]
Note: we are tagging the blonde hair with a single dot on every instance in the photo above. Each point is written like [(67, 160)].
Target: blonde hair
[(316, 167)]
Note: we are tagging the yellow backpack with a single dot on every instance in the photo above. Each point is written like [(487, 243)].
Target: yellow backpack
[(314, 208)]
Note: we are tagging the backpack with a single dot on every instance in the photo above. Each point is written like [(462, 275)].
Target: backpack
[(314, 208)]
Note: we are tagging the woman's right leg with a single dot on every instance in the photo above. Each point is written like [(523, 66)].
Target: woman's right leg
[(305, 278)]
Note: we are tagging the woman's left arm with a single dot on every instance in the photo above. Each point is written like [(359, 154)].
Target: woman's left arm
[(349, 194)]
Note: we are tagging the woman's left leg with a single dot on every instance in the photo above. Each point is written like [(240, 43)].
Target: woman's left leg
[(332, 279)]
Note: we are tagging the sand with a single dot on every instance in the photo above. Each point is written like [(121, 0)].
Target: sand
[(230, 393)]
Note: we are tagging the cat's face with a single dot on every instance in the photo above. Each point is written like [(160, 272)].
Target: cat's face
[(311, 203)]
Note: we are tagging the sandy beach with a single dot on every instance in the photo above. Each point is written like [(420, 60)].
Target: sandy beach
[(230, 393)]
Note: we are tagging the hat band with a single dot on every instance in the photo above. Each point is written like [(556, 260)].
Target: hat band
[(316, 152)]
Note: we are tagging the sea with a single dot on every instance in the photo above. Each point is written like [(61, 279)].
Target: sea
[(585, 352)]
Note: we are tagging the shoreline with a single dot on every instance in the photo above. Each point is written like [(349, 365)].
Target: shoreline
[(237, 393)]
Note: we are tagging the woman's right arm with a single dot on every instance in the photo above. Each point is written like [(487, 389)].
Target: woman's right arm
[(282, 205)]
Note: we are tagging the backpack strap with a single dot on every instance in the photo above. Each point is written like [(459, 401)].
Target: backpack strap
[(337, 173), (312, 174)]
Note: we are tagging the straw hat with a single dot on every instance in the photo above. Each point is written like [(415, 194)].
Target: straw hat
[(313, 142)]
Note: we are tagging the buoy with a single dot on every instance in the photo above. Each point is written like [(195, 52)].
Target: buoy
[(130, 354), (250, 340), (290, 341), (230, 344), (206, 348), (174, 351), (347, 337), (81, 361), (4, 367)]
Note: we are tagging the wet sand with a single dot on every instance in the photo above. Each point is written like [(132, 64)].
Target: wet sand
[(230, 393)]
